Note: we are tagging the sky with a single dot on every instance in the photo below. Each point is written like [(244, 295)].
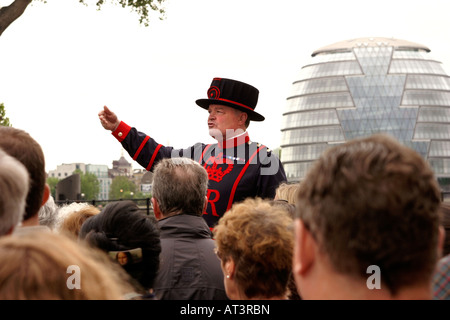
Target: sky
[(61, 62)]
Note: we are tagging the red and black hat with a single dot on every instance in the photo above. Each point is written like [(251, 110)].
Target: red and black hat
[(232, 93)]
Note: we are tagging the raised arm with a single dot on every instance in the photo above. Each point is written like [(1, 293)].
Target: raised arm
[(108, 119)]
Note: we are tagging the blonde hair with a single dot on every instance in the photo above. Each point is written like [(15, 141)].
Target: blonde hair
[(35, 266), (72, 222), (288, 192)]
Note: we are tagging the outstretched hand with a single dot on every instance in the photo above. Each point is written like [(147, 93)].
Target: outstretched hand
[(108, 119)]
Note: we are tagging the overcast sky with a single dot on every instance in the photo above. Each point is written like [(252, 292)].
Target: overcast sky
[(60, 62)]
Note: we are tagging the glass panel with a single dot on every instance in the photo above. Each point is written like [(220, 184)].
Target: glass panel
[(374, 60), (319, 101), (426, 97), (412, 54), (439, 149), (312, 135), (416, 66), (332, 57), (330, 69), (296, 171), (427, 82), (434, 114), (440, 166), (319, 86), (432, 131), (302, 152), (306, 119)]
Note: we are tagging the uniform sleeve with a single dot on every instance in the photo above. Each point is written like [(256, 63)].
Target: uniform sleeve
[(146, 151)]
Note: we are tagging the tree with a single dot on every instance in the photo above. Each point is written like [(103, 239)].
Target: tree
[(52, 182), (12, 12), (4, 121), (121, 188), (90, 186)]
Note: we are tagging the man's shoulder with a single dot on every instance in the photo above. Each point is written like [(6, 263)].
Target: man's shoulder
[(261, 147)]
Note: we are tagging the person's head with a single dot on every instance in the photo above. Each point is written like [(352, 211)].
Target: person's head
[(180, 185), (226, 122), (122, 227), (20, 145), (50, 266), (368, 204), (445, 209), (231, 105), (48, 213), (287, 191), (71, 222), (122, 257), (255, 243), (14, 184), (284, 204), (290, 208)]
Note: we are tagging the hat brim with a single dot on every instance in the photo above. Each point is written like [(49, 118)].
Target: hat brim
[(252, 115)]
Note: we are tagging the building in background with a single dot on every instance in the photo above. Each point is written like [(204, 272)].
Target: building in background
[(121, 167), (66, 169), (359, 87), (142, 178), (101, 171)]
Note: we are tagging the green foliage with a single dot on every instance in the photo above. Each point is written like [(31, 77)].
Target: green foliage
[(90, 185), (4, 121), (121, 188), (141, 7), (52, 182), (277, 151)]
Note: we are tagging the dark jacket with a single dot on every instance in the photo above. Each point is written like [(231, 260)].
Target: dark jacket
[(190, 270), (237, 168)]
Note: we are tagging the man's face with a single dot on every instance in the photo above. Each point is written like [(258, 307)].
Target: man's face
[(225, 122)]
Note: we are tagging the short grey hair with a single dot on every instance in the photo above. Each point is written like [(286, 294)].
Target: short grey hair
[(180, 185), (14, 185), (48, 213)]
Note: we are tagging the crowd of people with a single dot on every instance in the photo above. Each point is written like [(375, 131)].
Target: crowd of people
[(366, 223)]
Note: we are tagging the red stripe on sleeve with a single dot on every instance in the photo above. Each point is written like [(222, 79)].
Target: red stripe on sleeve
[(150, 164), (233, 190), (140, 148)]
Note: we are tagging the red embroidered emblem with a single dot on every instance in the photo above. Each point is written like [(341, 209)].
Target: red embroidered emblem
[(215, 173), (213, 92)]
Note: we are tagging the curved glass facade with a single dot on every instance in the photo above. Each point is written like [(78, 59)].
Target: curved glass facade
[(356, 88)]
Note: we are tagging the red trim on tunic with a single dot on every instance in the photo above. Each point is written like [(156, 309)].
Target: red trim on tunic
[(153, 157), (123, 129), (233, 190), (140, 147)]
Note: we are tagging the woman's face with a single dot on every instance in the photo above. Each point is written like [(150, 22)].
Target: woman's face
[(122, 258)]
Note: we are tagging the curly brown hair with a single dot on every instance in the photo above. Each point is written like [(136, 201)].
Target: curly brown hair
[(259, 238)]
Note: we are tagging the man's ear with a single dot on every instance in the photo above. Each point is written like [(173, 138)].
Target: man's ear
[(243, 117), (206, 204), (441, 240), (47, 193), (156, 210), (304, 249)]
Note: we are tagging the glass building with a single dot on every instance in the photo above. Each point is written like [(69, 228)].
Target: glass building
[(363, 86)]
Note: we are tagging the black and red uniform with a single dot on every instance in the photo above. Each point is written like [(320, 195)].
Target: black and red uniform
[(237, 168)]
